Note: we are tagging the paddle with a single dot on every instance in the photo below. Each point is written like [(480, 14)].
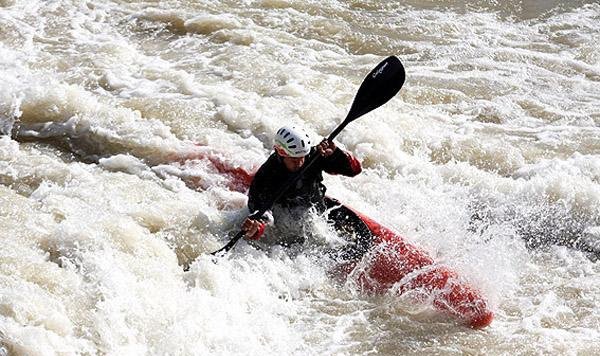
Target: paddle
[(384, 81)]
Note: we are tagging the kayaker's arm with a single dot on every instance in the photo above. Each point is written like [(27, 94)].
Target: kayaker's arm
[(253, 229), (259, 194), (261, 189), (338, 161)]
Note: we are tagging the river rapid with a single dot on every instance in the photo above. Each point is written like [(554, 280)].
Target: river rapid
[(488, 159)]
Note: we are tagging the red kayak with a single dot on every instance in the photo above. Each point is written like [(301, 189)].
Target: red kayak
[(392, 262)]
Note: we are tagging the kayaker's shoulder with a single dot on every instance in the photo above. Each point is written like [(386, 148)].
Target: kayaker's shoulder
[(271, 165)]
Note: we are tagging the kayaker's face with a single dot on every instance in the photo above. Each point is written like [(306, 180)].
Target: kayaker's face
[(293, 164)]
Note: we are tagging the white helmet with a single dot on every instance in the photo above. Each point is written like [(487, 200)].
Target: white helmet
[(294, 141)]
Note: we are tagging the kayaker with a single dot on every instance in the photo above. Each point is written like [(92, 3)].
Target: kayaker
[(292, 148)]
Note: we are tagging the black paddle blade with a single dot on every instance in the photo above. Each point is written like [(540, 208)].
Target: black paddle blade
[(384, 81), (223, 250)]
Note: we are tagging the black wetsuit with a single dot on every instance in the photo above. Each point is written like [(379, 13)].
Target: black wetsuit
[(309, 192)]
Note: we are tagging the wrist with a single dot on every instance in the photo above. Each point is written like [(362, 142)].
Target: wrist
[(260, 230)]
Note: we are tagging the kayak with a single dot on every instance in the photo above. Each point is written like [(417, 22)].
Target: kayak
[(392, 263), (395, 263)]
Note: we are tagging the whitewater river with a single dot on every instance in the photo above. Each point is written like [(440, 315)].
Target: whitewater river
[(488, 159)]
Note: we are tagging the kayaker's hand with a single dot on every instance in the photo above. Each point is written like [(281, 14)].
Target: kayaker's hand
[(326, 148), (253, 229)]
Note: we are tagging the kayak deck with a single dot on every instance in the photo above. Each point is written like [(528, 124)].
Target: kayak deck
[(393, 262)]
